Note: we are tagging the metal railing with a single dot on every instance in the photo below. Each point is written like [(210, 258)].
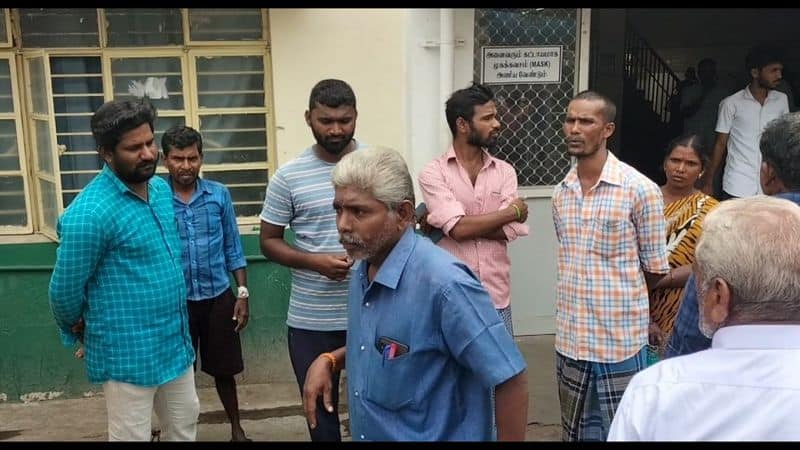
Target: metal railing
[(649, 73)]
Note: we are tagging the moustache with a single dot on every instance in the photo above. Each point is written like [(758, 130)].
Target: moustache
[(349, 239)]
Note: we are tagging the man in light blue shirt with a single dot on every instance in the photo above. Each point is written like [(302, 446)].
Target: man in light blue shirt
[(118, 269), (425, 346), (211, 249)]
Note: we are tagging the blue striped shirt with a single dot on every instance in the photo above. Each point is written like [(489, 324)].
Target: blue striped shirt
[(210, 241), (300, 195), (118, 266)]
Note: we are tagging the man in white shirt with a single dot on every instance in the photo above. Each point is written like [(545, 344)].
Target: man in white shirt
[(745, 387), (741, 118)]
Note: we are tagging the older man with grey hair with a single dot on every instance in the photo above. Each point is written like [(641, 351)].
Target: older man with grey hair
[(745, 387), (780, 176), (425, 346)]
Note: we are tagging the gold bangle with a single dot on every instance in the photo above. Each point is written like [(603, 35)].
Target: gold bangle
[(518, 212), (332, 359)]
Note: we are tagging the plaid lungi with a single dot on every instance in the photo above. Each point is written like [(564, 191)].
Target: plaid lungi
[(589, 393)]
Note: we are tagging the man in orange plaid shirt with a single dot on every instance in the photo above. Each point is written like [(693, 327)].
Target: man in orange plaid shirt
[(609, 220)]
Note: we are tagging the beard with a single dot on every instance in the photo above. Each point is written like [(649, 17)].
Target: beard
[(584, 152), (139, 174), (363, 250), (475, 139), (767, 85), (334, 147), (185, 178)]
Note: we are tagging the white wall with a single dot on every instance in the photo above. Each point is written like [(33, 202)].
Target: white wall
[(425, 115), (364, 47)]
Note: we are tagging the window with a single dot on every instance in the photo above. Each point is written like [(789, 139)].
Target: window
[(77, 85), (40, 129), (218, 84), (225, 24), (59, 27), (142, 27), (5, 28), (14, 207), (233, 118)]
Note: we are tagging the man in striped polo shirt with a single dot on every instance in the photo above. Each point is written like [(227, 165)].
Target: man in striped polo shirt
[(300, 195)]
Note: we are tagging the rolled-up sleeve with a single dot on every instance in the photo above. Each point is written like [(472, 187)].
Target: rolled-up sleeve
[(512, 229), (444, 210), (77, 256), (648, 218)]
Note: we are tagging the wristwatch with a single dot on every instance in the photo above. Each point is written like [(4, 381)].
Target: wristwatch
[(243, 292)]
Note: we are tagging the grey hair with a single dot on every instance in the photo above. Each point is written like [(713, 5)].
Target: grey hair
[(780, 148), (380, 171), (751, 243)]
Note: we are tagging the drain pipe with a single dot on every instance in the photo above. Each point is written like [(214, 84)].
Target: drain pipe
[(446, 70)]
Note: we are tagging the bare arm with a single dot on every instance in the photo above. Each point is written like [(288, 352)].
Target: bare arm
[(276, 249), (511, 408), (240, 275), (241, 309), (652, 279), (489, 225), (676, 278), (655, 335), (318, 382), (720, 152)]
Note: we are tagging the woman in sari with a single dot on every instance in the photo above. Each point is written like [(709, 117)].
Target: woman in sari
[(684, 210)]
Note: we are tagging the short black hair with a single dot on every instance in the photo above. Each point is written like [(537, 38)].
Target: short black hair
[(181, 137), (117, 117), (609, 108), (462, 103), (693, 141), (331, 93), (762, 55)]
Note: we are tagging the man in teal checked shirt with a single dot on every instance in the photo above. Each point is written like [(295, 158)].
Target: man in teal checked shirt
[(118, 269)]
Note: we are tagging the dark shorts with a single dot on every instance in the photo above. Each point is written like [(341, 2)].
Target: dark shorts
[(211, 327)]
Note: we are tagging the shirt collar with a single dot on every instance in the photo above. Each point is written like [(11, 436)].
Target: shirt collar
[(771, 94), (201, 187), (793, 196), (487, 160), (611, 173), (394, 264), (742, 337)]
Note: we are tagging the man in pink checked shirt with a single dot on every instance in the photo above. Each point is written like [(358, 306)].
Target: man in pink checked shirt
[(472, 196)]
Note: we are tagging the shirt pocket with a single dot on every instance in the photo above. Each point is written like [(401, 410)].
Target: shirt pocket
[(390, 383), (610, 236), (493, 202)]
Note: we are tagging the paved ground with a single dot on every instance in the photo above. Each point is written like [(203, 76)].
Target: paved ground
[(270, 412)]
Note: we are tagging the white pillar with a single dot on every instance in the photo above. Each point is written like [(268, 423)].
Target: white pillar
[(447, 43)]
